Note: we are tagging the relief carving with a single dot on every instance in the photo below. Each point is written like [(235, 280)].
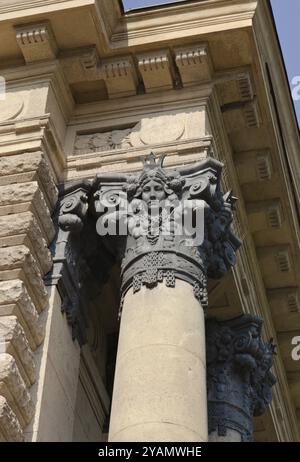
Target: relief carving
[(148, 132), (10, 107)]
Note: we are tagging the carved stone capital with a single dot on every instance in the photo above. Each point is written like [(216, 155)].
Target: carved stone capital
[(171, 224), (73, 207), (239, 377), (161, 224)]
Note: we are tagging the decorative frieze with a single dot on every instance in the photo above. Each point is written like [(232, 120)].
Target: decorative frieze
[(103, 141), (186, 131), (239, 377)]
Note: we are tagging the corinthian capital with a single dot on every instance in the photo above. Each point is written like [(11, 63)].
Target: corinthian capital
[(239, 377), (176, 224)]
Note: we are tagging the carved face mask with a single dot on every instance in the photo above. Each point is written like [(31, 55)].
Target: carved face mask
[(153, 191)]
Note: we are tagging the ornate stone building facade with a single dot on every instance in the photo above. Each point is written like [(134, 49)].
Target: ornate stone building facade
[(132, 123)]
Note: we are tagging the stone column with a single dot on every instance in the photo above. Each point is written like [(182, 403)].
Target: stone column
[(239, 379), (160, 380), (160, 386)]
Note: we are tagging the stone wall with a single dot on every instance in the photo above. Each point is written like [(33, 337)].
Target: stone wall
[(27, 197)]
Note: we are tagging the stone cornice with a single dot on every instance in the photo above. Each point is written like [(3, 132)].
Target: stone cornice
[(26, 8), (151, 25), (182, 20)]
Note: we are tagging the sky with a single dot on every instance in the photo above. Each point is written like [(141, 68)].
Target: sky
[(287, 16)]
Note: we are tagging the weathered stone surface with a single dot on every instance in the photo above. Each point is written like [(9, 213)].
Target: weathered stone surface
[(29, 166), (13, 340), (13, 388), (10, 427), (15, 300), (21, 192), (17, 262), (23, 197), (18, 229)]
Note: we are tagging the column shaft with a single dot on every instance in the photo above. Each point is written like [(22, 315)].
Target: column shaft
[(160, 381)]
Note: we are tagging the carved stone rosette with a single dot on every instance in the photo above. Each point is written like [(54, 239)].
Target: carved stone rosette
[(239, 379), (155, 208)]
